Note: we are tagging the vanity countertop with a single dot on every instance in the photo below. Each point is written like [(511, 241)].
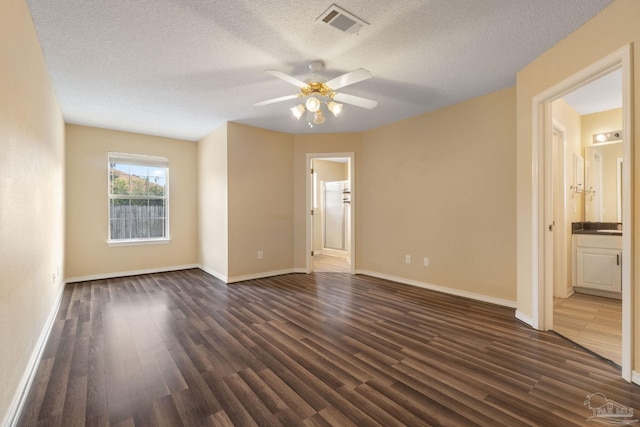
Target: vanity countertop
[(597, 228)]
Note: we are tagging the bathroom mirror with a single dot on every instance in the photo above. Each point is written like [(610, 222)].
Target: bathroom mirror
[(603, 172)]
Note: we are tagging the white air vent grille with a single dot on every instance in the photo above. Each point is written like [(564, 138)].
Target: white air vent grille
[(342, 20)]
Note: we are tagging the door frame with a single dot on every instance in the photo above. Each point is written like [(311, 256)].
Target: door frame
[(351, 168), (561, 216), (542, 243)]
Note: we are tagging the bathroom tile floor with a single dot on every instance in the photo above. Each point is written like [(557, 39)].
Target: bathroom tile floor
[(591, 321)]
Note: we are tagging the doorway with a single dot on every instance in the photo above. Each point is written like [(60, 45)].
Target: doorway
[(334, 213), (582, 311), (543, 201), (330, 223)]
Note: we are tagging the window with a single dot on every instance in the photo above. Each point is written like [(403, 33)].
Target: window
[(138, 198)]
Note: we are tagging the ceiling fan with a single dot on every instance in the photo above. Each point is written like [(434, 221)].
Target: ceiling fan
[(318, 91)]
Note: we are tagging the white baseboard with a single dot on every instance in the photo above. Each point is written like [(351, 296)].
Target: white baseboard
[(19, 398), (260, 275), (524, 318), (300, 270), (236, 279), (443, 289), (635, 377), (130, 273), (213, 273)]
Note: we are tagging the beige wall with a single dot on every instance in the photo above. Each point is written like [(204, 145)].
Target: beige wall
[(87, 252), (213, 219), (260, 192), (262, 174), (317, 144), (213, 207), (604, 121), (31, 197), (610, 30), (441, 185)]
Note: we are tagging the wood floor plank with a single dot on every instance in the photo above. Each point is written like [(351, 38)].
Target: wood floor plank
[(234, 408), (324, 349), (266, 395), (472, 407), (54, 398), (592, 321), (75, 402), (293, 400), (258, 410), (38, 389), (165, 412), (97, 411), (386, 404)]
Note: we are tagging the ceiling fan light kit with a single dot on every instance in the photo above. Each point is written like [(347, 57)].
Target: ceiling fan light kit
[(298, 111), (334, 107), (318, 117), (316, 89), (312, 104)]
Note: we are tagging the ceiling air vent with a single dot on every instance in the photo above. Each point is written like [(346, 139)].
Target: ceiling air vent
[(342, 20)]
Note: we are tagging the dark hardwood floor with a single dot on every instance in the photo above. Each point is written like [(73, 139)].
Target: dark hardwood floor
[(182, 348)]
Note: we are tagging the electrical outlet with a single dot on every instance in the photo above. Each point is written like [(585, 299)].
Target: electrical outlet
[(407, 259), (426, 262), (260, 255)]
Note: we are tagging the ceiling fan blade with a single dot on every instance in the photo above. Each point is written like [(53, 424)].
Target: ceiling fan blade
[(274, 100), (355, 100), (349, 78), (286, 78)]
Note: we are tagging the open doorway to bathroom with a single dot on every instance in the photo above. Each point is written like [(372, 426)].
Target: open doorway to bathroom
[(587, 300), (587, 143), (331, 220), (592, 261)]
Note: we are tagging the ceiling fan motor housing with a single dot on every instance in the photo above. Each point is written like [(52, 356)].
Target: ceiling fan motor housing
[(316, 87)]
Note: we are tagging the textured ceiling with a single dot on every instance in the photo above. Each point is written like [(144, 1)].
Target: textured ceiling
[(181, 68)]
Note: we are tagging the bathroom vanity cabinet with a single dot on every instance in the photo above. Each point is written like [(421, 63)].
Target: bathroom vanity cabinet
[(597, 262)]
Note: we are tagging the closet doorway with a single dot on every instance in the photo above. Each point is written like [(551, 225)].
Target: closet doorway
[(330, 225)]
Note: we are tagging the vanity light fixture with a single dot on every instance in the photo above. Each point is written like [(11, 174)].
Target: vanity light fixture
[(600, 138)]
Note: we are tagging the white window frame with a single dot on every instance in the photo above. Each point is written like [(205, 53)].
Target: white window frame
[(138, 160)]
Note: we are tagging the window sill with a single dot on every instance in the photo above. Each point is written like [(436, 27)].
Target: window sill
[(138, 242)]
